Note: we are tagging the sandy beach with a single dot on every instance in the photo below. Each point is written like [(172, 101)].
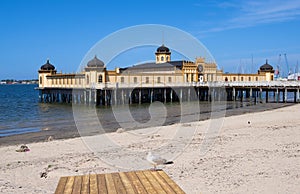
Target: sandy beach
[(251, 153)]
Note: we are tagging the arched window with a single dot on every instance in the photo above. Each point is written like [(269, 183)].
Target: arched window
[(157, 58), (249, 79), (226, 79), (135, 79), (41, 80), (162, 58), (122, 79), (234, 79), (100, 79), (87, 79), (158, 79), (256, 79), (170, 79), (167, 58), (242, 78), (147, 80)]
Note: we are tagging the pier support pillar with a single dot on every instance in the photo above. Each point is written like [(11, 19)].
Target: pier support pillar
[(140, 96), (151, 96), (260, 95), (277, 95), (267, 96), (250, 95), (285, 95), (165, 95), (298, 96), (180, 95), (171, 95), (233, 94)]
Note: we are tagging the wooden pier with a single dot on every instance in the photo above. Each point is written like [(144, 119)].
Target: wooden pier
[(106, 94)]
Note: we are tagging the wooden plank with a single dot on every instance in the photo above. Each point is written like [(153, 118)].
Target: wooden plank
[(93, 184), (110, 184), (61, 185), (85, 184), (154, 182), (102, 184), (136, 182), (143, 179), (172, 184), (69, 185), (77, 185), (127, 184), (118, 183), (162, 182)]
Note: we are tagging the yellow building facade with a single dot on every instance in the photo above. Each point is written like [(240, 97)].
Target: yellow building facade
[(162, 72)]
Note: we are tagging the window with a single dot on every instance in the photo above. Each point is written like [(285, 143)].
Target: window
[(71, 81), (234, 78), (41, 80), (157, 58), (67, 80), (226, 79), (162, 58), (242, 78), (170, 79), (147, 80), (256, 79), (64, 81), (100, 79), (167, 58), (249, 79), (79, 80), (158, 79), (272, 77), (122, 79), (192, 78), (87, 79), (135, 79), (59, 81)]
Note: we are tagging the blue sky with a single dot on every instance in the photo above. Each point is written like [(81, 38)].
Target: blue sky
[(64, 31)]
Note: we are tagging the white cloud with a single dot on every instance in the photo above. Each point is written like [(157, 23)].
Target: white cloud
[(252, 13)]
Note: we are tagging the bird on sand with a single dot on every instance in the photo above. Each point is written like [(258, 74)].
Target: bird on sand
[(157, 160)]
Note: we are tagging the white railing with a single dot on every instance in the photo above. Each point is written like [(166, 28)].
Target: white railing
[(293, 84)]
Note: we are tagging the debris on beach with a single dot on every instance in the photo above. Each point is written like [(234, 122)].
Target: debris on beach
[(23, 148), (50, 138), (249, 122), (120, 130)]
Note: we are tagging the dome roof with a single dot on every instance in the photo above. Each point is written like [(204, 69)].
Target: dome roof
[(266, 67), (163, 49), (47, 66), (95, 62)]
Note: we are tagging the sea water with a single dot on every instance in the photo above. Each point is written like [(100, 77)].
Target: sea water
[(21, 112)]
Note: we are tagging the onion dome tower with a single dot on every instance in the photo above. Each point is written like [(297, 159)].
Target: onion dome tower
[(163, 54)]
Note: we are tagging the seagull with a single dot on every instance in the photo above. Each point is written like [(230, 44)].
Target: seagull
[(157, 160)]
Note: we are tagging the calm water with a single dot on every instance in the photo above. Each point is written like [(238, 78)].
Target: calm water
[(20, 112)]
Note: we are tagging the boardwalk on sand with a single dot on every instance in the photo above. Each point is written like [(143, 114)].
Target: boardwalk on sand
[(123, 182)]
